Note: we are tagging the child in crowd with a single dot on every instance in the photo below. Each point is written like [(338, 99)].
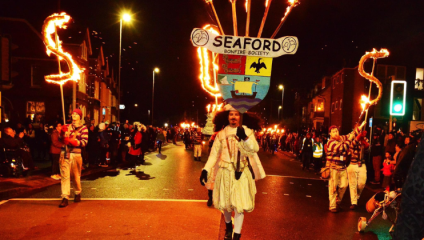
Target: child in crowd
[(388, 168)]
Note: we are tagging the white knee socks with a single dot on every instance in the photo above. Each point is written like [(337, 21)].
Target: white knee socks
[(238, 222)]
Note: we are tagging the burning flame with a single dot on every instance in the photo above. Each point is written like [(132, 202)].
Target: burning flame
[(293, 3), (266, 3), (374, 55), (49, 28), (208, 107), (219, 107), (204, 77), (364, 101)]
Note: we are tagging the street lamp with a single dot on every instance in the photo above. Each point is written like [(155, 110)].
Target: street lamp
[(126, 17), (281, 87), (279, 109), (156, 70)]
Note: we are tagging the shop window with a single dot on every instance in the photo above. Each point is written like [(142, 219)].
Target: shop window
[(419, 80)]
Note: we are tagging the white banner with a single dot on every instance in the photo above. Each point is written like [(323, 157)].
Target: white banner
[(246, 46)]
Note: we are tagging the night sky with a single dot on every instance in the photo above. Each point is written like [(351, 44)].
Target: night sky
[(332, 34)]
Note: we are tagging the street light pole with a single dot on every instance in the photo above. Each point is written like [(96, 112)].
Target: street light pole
[(153, 90), (281, 87), (126, 17), (119, 70)]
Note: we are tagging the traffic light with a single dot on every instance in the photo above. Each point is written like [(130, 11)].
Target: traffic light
[(397, 98)]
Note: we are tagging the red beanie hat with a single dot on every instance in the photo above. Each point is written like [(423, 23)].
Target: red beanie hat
[(329, 129), (78, 111)]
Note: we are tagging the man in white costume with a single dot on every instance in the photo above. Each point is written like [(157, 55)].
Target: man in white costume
[(235, 164)]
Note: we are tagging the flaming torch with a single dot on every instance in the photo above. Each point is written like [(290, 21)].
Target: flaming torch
[(204, 77), (365, 103), (267, 5), (55, 46), (210, 2), (233, 4), (293, 3), (248, 3), (375, 55)]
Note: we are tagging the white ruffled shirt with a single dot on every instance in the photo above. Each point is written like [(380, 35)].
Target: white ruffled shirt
[(248, 148)]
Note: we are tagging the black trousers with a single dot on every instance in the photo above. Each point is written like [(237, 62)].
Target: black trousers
[(317, 164), (306, 157), (55, 163), (160, 145)]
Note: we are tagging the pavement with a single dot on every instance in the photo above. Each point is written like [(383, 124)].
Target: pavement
[(163, 199)]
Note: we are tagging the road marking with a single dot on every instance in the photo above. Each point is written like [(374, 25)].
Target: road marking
[(3, 202), (110, 199), (296, 177)]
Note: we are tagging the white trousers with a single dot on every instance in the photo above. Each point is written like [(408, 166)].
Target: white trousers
[(337, 185), (198, 150), (70, 167), (357, 179)]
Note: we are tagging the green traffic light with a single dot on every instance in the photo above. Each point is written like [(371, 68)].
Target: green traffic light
[(398, 107)]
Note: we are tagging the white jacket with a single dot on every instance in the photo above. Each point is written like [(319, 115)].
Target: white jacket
[(220, 156)]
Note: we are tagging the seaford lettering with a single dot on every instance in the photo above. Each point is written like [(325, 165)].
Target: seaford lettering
[(228, 42), (247, 46)]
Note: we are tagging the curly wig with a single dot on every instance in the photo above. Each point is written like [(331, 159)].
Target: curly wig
[(250, 120)]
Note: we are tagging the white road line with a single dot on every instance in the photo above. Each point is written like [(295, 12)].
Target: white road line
[(296, 177), (4, 201), (110, 199)]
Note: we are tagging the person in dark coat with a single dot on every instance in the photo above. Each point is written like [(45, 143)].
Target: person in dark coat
[(93, 146), (55, 148), (144, 142), (104, 145), (410, 222)]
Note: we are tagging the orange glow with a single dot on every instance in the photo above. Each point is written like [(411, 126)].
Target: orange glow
[(204, 77), (245, 5), (275, 126), (364, 101), (374, 55), (293, 3), (49, 28), (266, 3), (282, 130), (278, 130)]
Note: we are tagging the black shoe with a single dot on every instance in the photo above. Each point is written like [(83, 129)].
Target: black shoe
[(228, 231), (64, 203), (210, 192), (77, 198), (237, 236)]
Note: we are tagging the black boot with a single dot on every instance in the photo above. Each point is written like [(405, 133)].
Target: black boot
[(210, 198), (228, 231), (77, 198), (237, 236), (64, 203)]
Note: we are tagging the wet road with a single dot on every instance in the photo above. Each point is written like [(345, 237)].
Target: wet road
[(164, 200)]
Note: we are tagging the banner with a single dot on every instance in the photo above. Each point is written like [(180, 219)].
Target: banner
[(245, 46)]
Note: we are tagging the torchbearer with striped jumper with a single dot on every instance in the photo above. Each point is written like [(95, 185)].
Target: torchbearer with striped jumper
[(337, 152), (357, 171), (75, 137)]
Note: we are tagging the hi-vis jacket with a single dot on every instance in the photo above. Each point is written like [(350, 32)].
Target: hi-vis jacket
[(223, 157), (337, 150), (317, 150)]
